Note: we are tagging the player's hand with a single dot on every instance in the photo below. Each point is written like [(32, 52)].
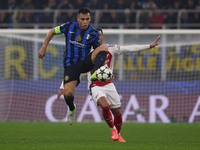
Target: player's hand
[(60, 92), (155, 42), (42, 52)]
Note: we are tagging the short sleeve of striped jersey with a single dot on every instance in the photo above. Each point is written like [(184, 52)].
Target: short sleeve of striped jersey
[(61, 29)]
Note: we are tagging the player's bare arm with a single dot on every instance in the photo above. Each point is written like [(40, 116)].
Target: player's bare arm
[(48, 38), (155, 42)]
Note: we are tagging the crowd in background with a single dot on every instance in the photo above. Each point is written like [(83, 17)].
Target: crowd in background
[(128, 17)]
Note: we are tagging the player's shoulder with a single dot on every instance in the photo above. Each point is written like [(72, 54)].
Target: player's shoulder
[(67, 24), (92, 30), (112, 48), (110, 45)]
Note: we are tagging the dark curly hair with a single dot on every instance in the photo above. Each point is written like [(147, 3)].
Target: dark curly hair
[(84, 10)]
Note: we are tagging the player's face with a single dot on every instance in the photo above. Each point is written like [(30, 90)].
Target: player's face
[(101, 37), (83, 21)]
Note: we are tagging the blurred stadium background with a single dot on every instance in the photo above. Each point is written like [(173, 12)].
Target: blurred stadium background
[(159, 85), (134, 14)]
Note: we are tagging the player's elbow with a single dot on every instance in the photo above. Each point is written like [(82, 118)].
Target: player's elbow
[(52, 32)]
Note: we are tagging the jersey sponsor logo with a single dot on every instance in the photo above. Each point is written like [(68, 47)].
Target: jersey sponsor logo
[(71, 32), (77, 43)]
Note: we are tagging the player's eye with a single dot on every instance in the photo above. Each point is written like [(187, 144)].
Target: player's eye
[(85, 19)]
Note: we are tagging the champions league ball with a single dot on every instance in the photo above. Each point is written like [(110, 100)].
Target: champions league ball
[(104, 73)]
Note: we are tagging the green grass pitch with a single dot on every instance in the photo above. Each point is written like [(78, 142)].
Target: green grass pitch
[(97, 136)]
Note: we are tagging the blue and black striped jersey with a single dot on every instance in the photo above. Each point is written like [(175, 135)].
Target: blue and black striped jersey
[(78, 42)]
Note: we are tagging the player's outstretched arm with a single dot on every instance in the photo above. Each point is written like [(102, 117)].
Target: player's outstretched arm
[(136, 48), (155, 42), (48, 38)]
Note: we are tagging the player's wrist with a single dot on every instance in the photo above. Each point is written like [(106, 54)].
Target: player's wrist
[(44, 47)]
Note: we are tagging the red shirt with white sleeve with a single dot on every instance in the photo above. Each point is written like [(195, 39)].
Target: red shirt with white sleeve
[(114, 50)]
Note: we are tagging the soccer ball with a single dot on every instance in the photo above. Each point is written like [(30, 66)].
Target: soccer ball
[(104, 73)]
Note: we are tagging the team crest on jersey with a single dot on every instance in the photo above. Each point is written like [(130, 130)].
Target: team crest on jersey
[(79, 38), (87, 36), (66, 78)]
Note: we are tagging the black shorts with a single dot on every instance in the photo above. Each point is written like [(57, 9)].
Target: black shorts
[(74, 71)]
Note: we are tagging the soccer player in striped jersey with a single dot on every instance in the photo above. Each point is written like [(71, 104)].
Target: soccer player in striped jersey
[(80, 37), (104, 94)]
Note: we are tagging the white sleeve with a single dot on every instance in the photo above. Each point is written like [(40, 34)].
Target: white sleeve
[(131, 48), (62, 85), (88, 77)]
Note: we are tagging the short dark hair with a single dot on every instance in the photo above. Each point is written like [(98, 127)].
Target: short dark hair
[(84, 10), (99, 29)]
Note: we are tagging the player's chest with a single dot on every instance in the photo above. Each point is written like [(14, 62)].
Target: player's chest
[(80, 38)]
